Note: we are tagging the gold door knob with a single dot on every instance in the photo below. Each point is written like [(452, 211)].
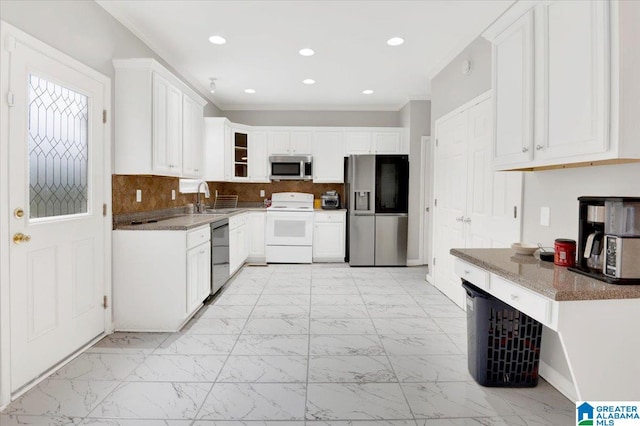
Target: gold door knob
[(18, 213), (20, 238)]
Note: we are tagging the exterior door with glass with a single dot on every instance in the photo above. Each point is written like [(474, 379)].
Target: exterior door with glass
[(56, 196)]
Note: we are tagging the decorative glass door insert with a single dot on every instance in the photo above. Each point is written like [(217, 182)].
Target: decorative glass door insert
[(58, 128)]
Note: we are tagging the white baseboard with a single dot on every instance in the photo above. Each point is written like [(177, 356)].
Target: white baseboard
[(415, 262), (558, 381)]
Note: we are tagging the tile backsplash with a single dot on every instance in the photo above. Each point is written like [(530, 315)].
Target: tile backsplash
[(156, 192)]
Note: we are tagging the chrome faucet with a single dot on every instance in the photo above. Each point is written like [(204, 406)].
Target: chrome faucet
[(200, 205)]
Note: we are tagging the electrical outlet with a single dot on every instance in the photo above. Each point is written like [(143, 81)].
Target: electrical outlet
[(544, 216), (138, 195), (262, 192), (173, 194)]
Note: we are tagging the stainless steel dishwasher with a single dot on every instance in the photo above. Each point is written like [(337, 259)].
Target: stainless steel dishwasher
[(219, 254)]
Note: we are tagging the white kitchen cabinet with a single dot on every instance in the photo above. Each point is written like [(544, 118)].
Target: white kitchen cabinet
[(167, 127), (328, 159), (217, 145), (160, 278), (329, 236), (149, 120), (375, 140), (198, 275), (258, 157), (256, 235), (192, 138), (561, 76), (387, 142), (223, 160), (301, 142), (513, 92), (285, 141), (238, 247), (357, 142)]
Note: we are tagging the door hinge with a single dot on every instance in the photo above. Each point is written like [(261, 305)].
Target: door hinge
[(515, 212), (434, 261), (105, 302), (104, 116), (104, 209), (436, 142), (435, 203), (10, 99)]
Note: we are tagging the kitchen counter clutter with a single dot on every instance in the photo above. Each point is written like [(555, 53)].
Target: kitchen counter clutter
[(587, 351), (555, 282)]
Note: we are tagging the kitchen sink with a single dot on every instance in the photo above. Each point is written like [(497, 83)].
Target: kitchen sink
[(219, 211)]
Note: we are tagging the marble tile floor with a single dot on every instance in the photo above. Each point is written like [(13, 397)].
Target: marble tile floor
[(293, 345)]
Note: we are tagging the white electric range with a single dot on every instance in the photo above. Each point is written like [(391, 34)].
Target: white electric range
[(289, 235)]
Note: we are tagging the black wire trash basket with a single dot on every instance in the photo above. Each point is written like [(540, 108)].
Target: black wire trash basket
[(503, 343)]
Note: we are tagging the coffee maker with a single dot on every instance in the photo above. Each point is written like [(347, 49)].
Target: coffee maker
[(609, 239)]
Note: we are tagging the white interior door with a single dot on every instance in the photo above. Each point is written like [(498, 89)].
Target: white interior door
[(451, 195), (493, 198), (477, 207), (56, 143)]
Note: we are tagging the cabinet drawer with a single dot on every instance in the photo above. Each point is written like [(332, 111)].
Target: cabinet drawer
[(237, 221), (198, 236), (532, 304), (473, 274), (329, 217)]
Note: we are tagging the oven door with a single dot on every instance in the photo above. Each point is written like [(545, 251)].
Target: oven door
[(289, 229)]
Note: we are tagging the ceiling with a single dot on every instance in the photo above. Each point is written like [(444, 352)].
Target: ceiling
[(349, 38)]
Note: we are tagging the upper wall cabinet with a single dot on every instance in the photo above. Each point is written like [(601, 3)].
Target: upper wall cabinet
[(328, 160), (559, 72), (289, 141), (158, 121), (233, 152), (379, 140)]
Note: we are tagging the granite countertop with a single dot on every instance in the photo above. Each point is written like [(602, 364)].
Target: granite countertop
[(545, 278), (175, 220)]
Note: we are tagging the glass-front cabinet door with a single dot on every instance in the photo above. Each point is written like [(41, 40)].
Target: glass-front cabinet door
[(240, 155)]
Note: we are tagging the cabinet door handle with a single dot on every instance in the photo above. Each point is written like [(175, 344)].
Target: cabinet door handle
[(460, 219), (525, 149), (467, 272), (514, 297), (467, 220), (539, 147)]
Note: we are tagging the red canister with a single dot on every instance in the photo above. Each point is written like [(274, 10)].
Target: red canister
[(565, 252)]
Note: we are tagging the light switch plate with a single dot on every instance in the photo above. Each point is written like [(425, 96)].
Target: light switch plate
[(544, 216), (173, 194), (262, 192), (139, 195)]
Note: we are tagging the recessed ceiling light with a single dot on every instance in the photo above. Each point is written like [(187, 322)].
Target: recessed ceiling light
[(367, 92), (250, 91), (395, 41), (307, 52), (309, 81), (216, 39)]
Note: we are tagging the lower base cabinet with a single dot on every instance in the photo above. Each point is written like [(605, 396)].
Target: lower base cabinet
[(329, 236), (160, 278), (257, 222), (238, 244)]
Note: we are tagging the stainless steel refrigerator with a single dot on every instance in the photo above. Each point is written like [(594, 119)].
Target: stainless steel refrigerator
[(377, 192)]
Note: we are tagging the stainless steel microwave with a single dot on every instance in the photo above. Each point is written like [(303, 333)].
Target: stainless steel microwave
[(290, 167)]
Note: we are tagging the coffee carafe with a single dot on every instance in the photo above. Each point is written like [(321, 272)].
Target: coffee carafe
[(609, 239), (593, 251)]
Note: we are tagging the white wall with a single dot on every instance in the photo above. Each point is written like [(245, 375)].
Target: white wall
[(315, 118), (83, 30), (416, 116), (559, 190)]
